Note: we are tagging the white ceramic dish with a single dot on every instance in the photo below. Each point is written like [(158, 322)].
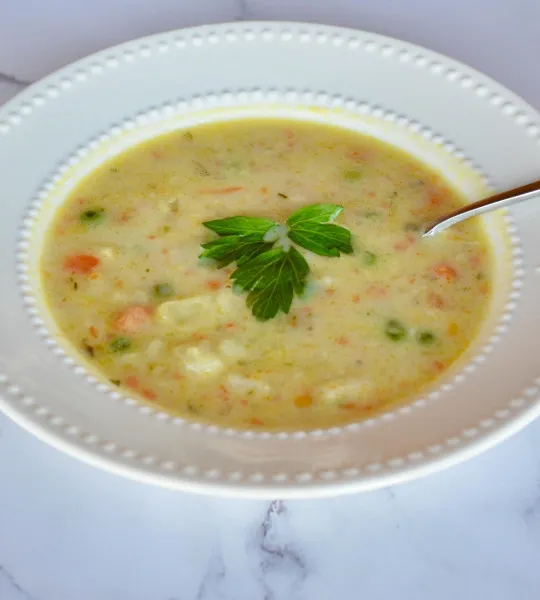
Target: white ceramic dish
[(475, 131)]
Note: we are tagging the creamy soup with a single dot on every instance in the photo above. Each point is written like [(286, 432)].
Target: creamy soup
[(123, 278)]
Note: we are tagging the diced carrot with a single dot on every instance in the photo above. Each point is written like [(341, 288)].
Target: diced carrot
[(132, 381), (222, 191), (148, 394), (255, 421), (214, 284), (453, 328), (244, 402), (93, 331), (289, 134), (475, 261), (348, 405), (151, 237), (81, 263), (358, 155), (343, 340), (435, 199), (303, 401), (436, 301), (330, 292), (264, 190), (438, 365), (133, 319), (94, 275), (445, 271), (412, 279), (405, 243), (377, 290), (156, 154), (199, 337), (356, 299)]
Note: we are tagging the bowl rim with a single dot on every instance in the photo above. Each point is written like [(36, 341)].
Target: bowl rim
[(449, 457)]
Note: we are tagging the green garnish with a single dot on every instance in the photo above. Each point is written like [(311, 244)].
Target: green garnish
[(351, 174), (310, 228), (395, 330), (269, 268), (272, 279), (240, 226), (163, 290), (92, 216), (426, 338), (369, 258), (120, 344)]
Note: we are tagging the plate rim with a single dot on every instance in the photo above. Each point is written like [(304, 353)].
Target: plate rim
[(294, 489)]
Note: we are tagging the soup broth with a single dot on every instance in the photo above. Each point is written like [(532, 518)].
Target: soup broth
[(122, 277)]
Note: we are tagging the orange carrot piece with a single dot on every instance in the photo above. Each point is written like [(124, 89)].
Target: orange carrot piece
[(132, 381), (348, 405), (303, 401), (405, 243), (356, 299), (81, 263), (133, 319), (149, 394), (255, 421), (436, 301), (93, 331), (377, 290), (222, 191), (445, 271), (343, 340), (358, 155), (289, 134), (214, 284)]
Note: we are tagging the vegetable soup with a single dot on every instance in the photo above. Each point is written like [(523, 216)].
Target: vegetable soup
[(314, 301)]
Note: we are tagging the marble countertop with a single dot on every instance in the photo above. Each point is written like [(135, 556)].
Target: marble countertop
[(71, 532)]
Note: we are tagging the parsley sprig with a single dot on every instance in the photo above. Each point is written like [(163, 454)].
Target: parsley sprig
[(269, 267)]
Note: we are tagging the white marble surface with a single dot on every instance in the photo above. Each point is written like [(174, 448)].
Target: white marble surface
[(70, 532)]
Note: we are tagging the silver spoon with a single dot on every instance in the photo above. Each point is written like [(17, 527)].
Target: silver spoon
[(502, 200)]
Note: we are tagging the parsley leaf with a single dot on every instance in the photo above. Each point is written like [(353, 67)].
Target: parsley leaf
[(273, 274), (272, 278), (309, 227), (240, 226), (326, 240), (316, 213), (239, 248)]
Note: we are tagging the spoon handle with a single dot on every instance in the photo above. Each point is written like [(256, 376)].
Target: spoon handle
[(502, 200)]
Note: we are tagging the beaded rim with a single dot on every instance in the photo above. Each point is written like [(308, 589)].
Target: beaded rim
[(354, 41), (241, 99)]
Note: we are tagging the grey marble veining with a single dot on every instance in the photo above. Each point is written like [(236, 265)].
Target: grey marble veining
[(71, 532)]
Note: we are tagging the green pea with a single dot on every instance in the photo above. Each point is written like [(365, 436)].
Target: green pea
[(92, 216), (369, 258), (120, 344), (395, 330), (426, 338), (352, 174), (163, 290)]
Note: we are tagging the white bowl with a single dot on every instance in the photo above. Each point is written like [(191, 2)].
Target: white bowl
[(472, 129)]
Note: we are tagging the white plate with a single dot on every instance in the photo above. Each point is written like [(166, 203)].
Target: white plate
[(469, 127)]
